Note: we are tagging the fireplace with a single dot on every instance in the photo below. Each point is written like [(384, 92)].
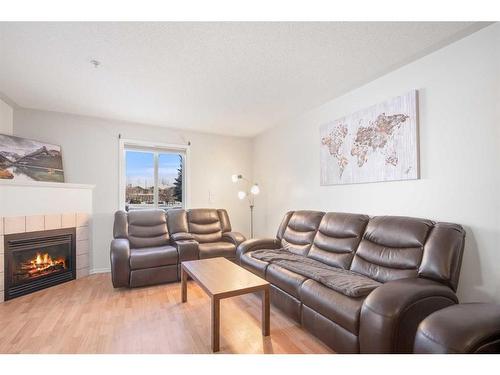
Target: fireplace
[(38, 260)]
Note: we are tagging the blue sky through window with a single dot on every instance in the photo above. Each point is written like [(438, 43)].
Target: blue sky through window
[(140, 168)]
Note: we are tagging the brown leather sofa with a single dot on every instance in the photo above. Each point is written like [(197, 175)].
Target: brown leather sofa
[(413, 263), (149, 245), (460, 329)]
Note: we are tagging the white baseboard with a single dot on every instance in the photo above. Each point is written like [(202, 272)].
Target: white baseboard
[(99, 270)]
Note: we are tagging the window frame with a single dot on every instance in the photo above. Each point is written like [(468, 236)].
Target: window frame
[(156, 148)]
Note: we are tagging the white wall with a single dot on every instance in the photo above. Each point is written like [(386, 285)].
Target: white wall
[(459, 91), (90, 156), (6, 114)]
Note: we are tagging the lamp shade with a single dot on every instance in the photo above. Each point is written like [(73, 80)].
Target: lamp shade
[(242, 194), (234, 178), (255, 189)]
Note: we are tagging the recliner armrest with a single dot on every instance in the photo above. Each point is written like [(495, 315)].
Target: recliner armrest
[(120, 262), (257, 244), (391, 313), (234, 237), (180, 236), (187, 250)]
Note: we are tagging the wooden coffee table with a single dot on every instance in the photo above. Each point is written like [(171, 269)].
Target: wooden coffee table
[(221, 278)]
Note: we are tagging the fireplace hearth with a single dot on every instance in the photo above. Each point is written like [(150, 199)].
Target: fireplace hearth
[(38, 260)]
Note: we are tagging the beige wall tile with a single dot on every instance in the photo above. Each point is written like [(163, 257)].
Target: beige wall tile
[(82, 233), (1, 225), (83, 272), (1, 282), (53, 221), (35, 223), (14, 224), (68, 220), (1, 266), (82, 219), (1, 246), (82, 261), (82, 247)]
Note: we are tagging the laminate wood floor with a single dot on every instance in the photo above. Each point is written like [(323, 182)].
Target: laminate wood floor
[(89, 316)]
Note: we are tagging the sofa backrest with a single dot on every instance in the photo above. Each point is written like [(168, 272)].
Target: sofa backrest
[(383, 248), (298, 229), (201, 224), (443, 253), (177, 224), (143, 228), (392, 248), (400, 247), (337, 238), (204, 224)]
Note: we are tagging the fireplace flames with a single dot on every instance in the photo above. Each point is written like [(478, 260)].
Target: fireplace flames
[(42, 264)]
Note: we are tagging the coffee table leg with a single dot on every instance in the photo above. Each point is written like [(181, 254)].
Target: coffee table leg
[(265, 313), (184, 278), (215, 326)]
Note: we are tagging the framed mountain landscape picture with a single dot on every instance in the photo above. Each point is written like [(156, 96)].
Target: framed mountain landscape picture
[(379, 143), (24, 159)]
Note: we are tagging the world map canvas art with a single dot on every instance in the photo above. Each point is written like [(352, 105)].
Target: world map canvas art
[(375, 144)]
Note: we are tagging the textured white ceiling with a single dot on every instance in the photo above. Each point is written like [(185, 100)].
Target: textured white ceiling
[(227, 78)]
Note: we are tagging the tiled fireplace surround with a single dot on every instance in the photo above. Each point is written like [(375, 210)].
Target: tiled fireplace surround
[(32, 223)]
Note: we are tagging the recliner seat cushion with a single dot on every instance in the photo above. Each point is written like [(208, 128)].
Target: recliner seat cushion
[(287, 280), (217, 249), (153, 257), (335, 306), (254, 265), (347, 282)]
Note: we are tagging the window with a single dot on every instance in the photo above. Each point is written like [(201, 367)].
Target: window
[(152, 176)]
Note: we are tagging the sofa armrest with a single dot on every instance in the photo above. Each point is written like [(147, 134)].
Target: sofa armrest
[(463, 328), (120, 262), (234, 237), (187, 250), (181, 236), (257, 244), (391, 314)]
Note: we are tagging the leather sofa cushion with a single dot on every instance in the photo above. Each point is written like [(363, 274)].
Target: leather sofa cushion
[(392, 248), (147, 228), (337, 238), (289, 281), (217, 249), (204, 224), (254, 265), (335, 306), (300, 231), (153, 257)]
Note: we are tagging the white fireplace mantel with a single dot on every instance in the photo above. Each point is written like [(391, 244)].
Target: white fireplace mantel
[(42, 184), (40, 198)]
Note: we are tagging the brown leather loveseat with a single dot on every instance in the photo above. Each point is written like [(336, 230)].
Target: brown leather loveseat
[(149, 245), (384, 274)]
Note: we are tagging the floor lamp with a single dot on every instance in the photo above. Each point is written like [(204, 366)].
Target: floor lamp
[(251, 190)]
